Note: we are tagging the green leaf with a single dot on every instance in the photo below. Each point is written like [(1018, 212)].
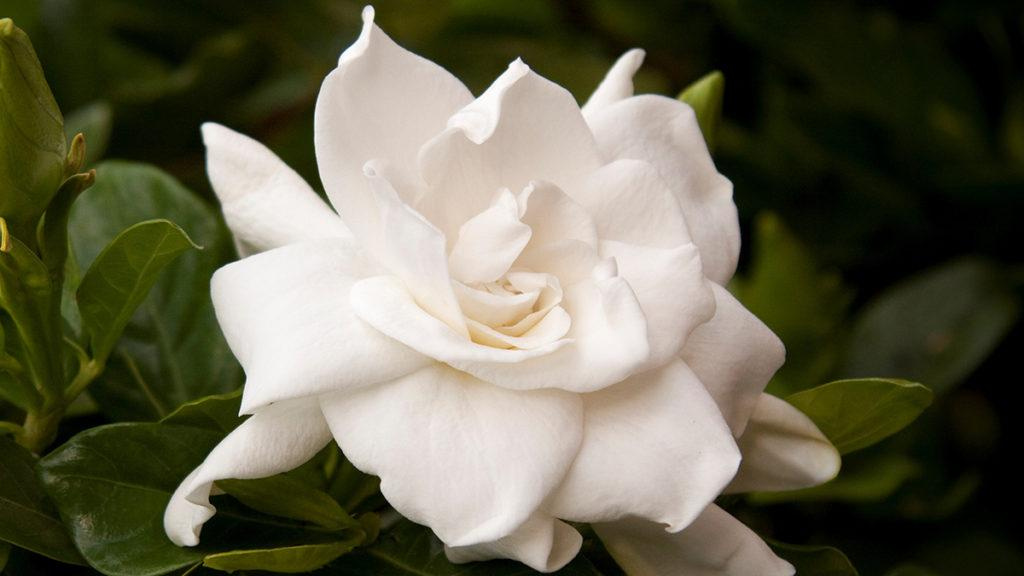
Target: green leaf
[(218, 413), (32, 145), (805, 306), (32, 322), (815, 560), (705, 96), (861, 480), (5, 553), (27, 517), (112, 484), (53, 234), (120, 278), (289, 498), (95, 121), (936, 327), (855, 414), (172, 350), (412, 550), (288, 560)]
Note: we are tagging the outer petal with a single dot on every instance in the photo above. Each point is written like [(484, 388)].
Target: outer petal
[(471, 460), (716, 544), (542, 543), (276, 439), (735, 355), (671, 289), (665, 133), (286, 315), (523, 128), (605, 344), (617, 83), (265, 203), (381, 102), (783, 450), (654, 446), (630, 203)]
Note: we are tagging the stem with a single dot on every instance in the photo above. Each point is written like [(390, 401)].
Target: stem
[(40, 427)]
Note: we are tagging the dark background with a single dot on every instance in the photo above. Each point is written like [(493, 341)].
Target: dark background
[(877, 152)]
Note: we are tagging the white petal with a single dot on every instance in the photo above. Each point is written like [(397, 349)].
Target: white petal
[(411, 248), (664, 132), (617, 83), (671, 289), (629, 202), (716, 544), (783, 450), (285, 313), (489, 242), (542, 543), (380, 102), (654, 446), (275, 439), (523, 128), (493, 309), (265, 203), (470, 460), (549, 329), (554, 216), (735, 355), (605, 344)]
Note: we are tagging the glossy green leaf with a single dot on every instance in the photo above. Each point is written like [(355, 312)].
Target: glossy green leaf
[(855, 414), (288, 560), (112, 484), (805, 306), (289, 498), (172, 350), (32, 145), (937, 327), (815, 560), (53, 234), (27, 517), (861, 480), (412, 550), (705, 96), (121, 276)]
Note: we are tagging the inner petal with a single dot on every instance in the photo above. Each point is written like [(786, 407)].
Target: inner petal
[(489, 242)]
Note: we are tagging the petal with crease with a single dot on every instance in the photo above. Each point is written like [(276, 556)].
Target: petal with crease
[(671, 289), (542, 543), (735, 355), (716, 544), (664, 132), (654, 447), (606, 342), (276, 439), (471, 460), (783, 450), (523, 128), (286, 315), (265, 203), (617, 83), (380, 102), (412, 249)]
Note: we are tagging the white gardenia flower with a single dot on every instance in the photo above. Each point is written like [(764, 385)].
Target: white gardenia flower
[(515, 318)]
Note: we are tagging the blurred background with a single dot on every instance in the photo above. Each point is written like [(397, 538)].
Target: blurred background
[(877, 152)]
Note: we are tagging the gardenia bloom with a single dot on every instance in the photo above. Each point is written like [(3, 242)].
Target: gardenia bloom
[(514, 316)]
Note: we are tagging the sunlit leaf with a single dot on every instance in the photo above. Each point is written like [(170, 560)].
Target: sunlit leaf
[(705, 96), (121, 276), (855, 414)]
